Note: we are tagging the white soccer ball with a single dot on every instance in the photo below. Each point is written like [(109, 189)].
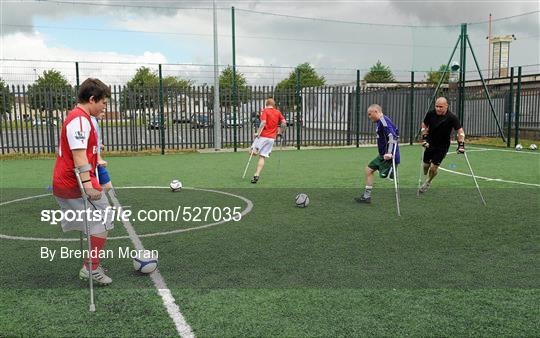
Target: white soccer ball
[(145, 262), (175, 185), (302, 200), (519, 147), (533, 147)]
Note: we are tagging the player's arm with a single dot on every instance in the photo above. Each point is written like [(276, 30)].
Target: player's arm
[(461, 141), (282, 126), (424, 133), (392, 143), (101, 161), (81, 161), (261, 127)]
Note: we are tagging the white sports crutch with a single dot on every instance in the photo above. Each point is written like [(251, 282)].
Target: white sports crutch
[(474, 178), (396, 187), (251, 150), (280, 154), (87, 228), (420, 172)]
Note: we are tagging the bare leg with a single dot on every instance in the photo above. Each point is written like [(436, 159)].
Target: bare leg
[(368, 174), (433, 169), (368, 178), (425, 166), (260, 166)]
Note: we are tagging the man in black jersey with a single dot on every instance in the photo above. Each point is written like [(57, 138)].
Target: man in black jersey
[(436, 129)]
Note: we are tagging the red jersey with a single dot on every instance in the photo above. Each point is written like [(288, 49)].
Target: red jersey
[(77, 133), (273, 117)]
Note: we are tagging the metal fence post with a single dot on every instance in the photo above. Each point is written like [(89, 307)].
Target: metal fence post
[(161, 113), (234, 86), (411, 109), (298, 105), (49, 121), (510, 109), (518, 106), (77, 80), (357, 108)]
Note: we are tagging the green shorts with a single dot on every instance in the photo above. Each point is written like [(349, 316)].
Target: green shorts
[(383, 166)]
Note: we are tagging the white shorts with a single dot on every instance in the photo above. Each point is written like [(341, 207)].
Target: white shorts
[(263, 146), (97, 208)]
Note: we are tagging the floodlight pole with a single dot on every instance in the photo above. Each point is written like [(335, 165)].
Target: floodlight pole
[(234, 87), (434, 96), (485, 89), (462, 73), (464, 40), (217, 110)]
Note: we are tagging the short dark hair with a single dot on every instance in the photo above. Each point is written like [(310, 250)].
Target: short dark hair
[(93, 87)]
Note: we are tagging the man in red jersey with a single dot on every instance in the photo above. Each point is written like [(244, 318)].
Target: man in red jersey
[(78, 148), (269, 129)]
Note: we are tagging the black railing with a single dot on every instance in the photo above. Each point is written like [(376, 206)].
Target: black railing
[(32, 117)]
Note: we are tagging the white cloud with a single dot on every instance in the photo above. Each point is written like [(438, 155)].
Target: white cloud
[(325, 44), (23, 46)]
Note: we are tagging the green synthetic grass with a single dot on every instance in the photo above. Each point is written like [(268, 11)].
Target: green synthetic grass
[(448, 267)]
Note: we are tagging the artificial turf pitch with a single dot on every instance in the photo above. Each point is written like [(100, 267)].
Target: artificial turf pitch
[(447, 267)]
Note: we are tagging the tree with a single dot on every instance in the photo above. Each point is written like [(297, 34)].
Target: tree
[(142, 91), (51, 91), (286, 89), (435, 76), (379, 73), (6, 99), (226, 87)]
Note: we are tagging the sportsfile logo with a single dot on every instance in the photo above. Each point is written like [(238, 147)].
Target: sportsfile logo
[(124, 214)]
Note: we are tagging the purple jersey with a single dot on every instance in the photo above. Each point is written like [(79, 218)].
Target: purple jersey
[(387, 137)]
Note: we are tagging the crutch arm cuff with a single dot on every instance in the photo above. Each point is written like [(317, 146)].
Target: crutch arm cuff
[(83, 168)]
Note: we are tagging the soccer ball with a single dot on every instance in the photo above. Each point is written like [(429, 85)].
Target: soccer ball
[(519, 147), (302, 200), (175, 185), (533, 147), (145, 262)]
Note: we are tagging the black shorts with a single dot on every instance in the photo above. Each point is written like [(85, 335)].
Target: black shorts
[(435, 155)]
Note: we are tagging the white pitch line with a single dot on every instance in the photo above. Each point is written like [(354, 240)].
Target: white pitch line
[(182, 327), (489, 178), (506, 151), (247, 210)]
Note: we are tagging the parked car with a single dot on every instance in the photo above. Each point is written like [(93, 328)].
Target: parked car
[(228, 121), (290, 117), (199, 121), (181, 118), (155, 123), (43, 122)]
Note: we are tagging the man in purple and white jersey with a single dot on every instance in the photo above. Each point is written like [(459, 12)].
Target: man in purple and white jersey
[(387, 144)]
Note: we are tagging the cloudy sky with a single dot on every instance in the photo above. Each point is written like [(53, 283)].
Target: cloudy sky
[(110, 39)]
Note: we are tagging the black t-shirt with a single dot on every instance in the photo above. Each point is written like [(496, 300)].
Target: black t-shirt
[(440, 128)]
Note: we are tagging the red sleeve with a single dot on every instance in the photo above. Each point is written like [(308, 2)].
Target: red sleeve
[(263, 115)]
